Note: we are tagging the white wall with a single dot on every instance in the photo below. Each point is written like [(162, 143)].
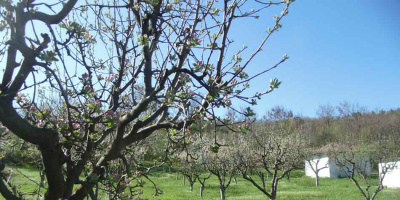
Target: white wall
[(333, 171), (392, 177), (324, 161)]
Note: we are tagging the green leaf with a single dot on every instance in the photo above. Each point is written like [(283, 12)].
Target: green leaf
[(274, 83), (249, 112), (39, 114), (214, 148)]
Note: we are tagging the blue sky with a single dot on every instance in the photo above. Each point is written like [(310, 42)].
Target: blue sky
[(339, 51)]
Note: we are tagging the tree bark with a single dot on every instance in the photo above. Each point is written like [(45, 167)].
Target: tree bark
[(53, 165), (222, 192), (5, 192), (288, 176), (262, 178), (274, 188), (201, 190)]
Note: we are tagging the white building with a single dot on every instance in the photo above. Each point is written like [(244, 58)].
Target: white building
[(322, 164), (328, 167), (392, 177)]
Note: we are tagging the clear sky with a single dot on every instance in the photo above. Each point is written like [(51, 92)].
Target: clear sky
[(339, 51)]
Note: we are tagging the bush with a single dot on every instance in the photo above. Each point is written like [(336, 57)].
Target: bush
[(19, 153), (297, 174)]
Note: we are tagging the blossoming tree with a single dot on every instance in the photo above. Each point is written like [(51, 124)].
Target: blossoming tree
[(84, 81)]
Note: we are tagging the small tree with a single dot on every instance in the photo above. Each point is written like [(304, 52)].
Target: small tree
[(189, 170), (202, 158), (202, 180), (314, 162), (354, 160), (274, 148), (222, 165)]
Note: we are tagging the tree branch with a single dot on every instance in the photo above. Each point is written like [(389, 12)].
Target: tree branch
[(57, 18)]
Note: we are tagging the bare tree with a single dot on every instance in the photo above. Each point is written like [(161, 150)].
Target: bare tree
[(202, 180), (327, 113), (354, 160), (278, 113), (314, 163)]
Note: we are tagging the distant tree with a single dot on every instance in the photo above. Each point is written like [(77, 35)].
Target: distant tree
[(84, 81), (327, 113), (347, 109), (278, 113), (354, 159), (223, 166), (189, 170), (202, 178)]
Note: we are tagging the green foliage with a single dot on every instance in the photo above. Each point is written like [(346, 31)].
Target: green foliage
[(48, 56), (274, 83), (214, 148), (18, 153)]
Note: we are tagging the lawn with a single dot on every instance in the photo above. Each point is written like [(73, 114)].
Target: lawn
[(298, 187)]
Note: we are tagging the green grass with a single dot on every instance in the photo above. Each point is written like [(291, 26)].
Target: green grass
[(23, 179), (298, 187)]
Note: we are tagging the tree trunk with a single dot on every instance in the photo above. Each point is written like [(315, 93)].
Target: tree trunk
[(316, 180), (235, 178), (201, 190), (222, 192), (5, 192), (183, 180), (92, 195), (263, 180), (52, 161), (69, 188), (274, 188), (70, 179), (273, 194), (191, 187)]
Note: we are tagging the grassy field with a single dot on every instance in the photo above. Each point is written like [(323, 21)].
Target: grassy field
[(298, 187)]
